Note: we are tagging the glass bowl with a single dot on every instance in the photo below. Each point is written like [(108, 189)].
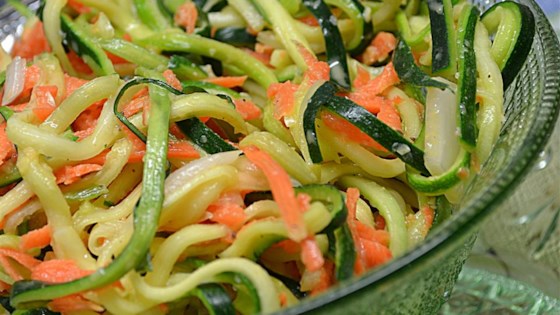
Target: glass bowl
[(420, 281)]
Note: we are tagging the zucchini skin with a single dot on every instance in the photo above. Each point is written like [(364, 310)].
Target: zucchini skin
[(408, 71), (466, 85), (379, 131), (444, 47), (321, 96), (336, 54), (215, 299), (521, 46), (79, 42)]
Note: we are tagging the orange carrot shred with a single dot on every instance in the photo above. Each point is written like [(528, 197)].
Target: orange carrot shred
[(37, 238), (283, 95), (231, 215), (311, 255), (352, 196), (44, 101), (73, 303), (24, 259), (186, 16), (376, 253), (32, 42), (57, 271), (380, 47), (172, 80), (10, 269), (78, 6), (326, 279), (282, 191), (228, 81), (70, 174), (7, 149), (247, 109), (78, 63)]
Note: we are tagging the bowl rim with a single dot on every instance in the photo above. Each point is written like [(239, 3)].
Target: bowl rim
[(476, 210)]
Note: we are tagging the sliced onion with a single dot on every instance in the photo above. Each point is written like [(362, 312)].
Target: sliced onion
[(441, 145), (15, 79)]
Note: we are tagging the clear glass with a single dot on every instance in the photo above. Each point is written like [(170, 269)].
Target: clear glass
[(421, 281)]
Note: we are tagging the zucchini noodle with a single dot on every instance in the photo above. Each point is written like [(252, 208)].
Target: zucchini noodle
[(232, 157)]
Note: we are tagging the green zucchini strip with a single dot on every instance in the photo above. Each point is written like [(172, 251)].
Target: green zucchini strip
[(323, 94), (215, 299), (344, 252), (466, 85), (146, 217), (179, 42), (128, 85), (336, 54), (332, 198), (513, 27), (408, 71), (149, 13), (362, 26), (79, 40), (203, 136), (378, 131), (444, 46)]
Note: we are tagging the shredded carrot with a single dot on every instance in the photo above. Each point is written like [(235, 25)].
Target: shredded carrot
[(23, 259), (289, 246), (263, 48), (10, 269), (73, 303), (181, 150), (78, 63), (58, 271), (304, 201), (377, 85), (32, 42), (82, 134), (7, 148), (379, 221), (282, 191), (316, 70), (70, 174), (247, 109), (32, 77), (186, 16), (346, 129), (369, 233), (283, 98), (88, 118), (362, 78), (309, 20), (78, 6), (136, 105), (263, 57), (311, 255), (44, 101), (4, 287), (390, 116), (380, 47), (352, 196), (231, 215), (376, 253), (37, 238), (172, 80), (283, 298), (228, 81), (116, 60), (72, 84), (326, 280)]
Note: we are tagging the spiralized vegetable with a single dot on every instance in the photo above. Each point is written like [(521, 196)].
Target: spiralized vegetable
[(175, 156)]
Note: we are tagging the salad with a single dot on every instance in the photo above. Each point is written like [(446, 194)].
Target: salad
[(234, 157)]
